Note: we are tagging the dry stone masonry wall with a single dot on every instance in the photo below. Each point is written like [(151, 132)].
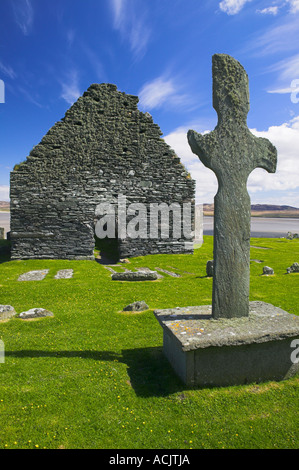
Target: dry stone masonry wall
[(103, 147)]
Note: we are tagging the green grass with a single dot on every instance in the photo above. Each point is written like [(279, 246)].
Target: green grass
[(95, 377)]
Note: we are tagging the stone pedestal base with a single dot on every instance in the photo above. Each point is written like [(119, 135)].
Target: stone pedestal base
[(208, 352)]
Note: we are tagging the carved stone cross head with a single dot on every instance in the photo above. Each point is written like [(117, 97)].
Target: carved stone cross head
[(232, 152)]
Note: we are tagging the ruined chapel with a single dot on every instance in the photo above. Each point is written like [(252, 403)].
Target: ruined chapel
[(103, 147)]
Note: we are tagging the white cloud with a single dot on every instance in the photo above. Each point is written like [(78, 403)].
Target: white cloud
[(129, 18), (154, 94), (4, 193), (294, 6), (23, 13), (282, 185), (160, 90), (206, 181), (282, 91), (70, 88), (286, 139), (232, 7), (269, 11)]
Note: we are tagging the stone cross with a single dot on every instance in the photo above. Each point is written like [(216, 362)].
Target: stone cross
[(232, 152)]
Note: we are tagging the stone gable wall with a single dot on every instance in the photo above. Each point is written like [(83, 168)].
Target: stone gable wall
[(103, 147)]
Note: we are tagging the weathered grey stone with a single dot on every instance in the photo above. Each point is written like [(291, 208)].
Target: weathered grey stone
[(103, 147), (38, 275), (220, 352), (232, 152), (293, 269), (231, 341), (64, 274), (135, 276), (138, 306), (267, 270), (1, 233), (6, 312), (210, 268), (292, 236), (148, 270), (35, 313)]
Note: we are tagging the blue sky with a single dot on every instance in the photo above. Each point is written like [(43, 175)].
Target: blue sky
[(161, 50)]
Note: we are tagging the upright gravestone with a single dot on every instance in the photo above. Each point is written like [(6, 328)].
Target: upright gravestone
[(234, 341)]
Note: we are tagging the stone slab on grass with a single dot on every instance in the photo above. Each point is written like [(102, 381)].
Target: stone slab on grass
[(205, 351), (35, 313), (34, 275), (64, 274), (135, 276), (7, 312)]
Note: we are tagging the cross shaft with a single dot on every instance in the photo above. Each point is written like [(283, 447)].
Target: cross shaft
[(232, 152)]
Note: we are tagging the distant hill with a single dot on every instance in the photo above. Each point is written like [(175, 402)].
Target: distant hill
[(262, 210), (269, 207)]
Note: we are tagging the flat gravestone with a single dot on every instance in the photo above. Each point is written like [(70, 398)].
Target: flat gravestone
[(64, 274), (231, 341), (135, 276), (34, 275)]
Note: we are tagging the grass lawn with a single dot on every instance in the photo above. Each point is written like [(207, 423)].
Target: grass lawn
[(95, 377)]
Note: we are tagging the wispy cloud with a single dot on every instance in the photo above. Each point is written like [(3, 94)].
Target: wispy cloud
[(24, 14), (28, 95), (269, 11), (130, 19), (163, 90), (70, 37), (7, 70), (288, 68), (70, 90), (287, 75), (232, 7), (94, 61), (282, 37)]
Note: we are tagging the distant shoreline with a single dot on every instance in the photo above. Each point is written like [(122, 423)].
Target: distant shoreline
[(262, 210), (269, 215)]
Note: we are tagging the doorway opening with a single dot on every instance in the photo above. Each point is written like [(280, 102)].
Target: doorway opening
[(106, 250)]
